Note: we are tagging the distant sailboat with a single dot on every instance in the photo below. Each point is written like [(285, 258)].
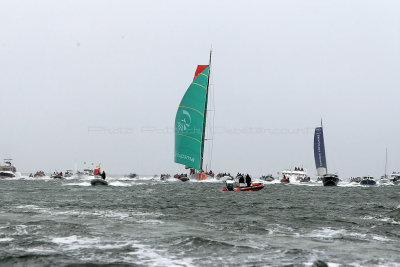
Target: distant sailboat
[(190, 123), (385, 178), (320, 159)]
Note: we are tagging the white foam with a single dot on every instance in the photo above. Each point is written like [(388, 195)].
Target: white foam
[(149, 221), (277, 228), (208, 180), (153, 257), (117, 183), (40, 250), (30, 207), (334, 233), (6, 239), (78, 184), (329, 233), (381, 219), (74, 242), (380, 238), (20, 230), (143, 254)]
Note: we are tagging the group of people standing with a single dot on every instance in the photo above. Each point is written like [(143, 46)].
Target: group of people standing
[(244, 180)]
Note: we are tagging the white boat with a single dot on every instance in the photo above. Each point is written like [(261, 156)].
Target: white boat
[(85, 173), (7, 170), (68, 173), (368, 180), (385, 178), (395, 178), (297, 174)]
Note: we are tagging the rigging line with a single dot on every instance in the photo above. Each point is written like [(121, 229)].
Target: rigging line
[(213, 119)]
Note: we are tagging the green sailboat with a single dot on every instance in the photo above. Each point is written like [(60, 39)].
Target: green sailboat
[(190, 123)]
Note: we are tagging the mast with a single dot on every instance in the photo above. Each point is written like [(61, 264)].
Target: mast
[(386, 165), (205, 114)]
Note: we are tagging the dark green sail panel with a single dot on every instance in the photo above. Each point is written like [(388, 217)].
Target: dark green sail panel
[(189, 123)]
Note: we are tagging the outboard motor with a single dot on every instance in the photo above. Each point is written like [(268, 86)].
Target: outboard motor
[(230, 184)]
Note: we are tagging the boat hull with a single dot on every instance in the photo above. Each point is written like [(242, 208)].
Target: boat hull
[(253, 187), (200, 176), (368, 182), (268, 179), (330, 181), (7, 174), (98, 182), (305, 180)]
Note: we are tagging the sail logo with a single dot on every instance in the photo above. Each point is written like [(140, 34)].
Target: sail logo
[(185, 157), (184, 122), (319, 150)]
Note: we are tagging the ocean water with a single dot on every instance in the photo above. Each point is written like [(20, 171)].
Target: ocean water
[(147, 222)]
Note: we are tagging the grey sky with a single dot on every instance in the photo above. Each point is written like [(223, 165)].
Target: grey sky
[(70, 68)]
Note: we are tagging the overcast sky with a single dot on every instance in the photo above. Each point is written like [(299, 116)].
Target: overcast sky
[(100, 81)]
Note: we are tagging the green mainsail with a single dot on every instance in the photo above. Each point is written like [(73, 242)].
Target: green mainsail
[(190, 123)]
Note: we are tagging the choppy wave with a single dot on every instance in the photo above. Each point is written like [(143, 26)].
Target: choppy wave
[(170, 223)]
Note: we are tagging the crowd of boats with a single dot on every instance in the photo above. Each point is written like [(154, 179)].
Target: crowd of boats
[(291, 175)]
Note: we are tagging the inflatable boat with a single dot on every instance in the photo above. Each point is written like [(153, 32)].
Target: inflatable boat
[(98, 182)]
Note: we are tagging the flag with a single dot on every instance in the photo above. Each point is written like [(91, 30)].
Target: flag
[(97, 170)]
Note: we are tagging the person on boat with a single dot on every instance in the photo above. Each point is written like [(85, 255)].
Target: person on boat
[(103, 175), (241, 181), (248, 180)]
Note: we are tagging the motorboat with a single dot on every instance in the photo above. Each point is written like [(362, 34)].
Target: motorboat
[(330, 179), (368, 180), (395, 178), (57, 175), (305, 179), (88, 172), (295, 174), (231, 185), (98, 181), (384, 179), (267, 178), (7, 170), (85, 173), (355, 179), (182, 177), (165, 176), (68, 173), (285, 180), (39, 174)]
